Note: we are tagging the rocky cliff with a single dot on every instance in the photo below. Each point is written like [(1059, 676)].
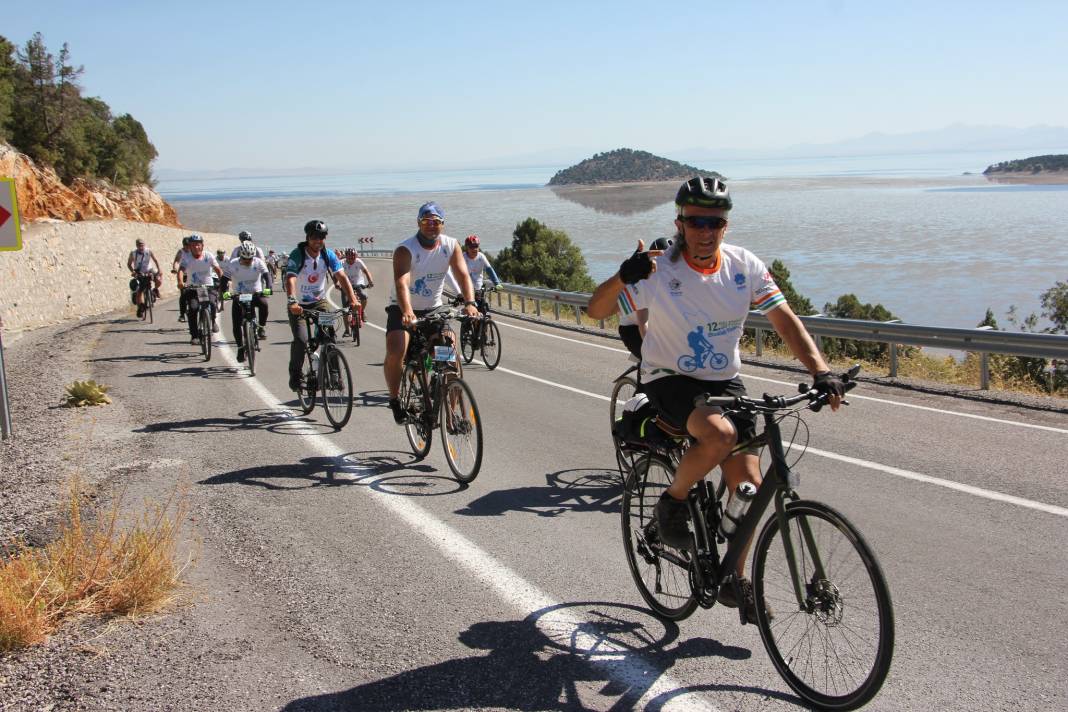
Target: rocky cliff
[(42, 195)]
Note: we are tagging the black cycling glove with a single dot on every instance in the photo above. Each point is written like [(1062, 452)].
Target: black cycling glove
[(828, 383), (636, 267)]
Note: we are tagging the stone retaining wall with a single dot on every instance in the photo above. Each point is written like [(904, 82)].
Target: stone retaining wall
[(71, 270)]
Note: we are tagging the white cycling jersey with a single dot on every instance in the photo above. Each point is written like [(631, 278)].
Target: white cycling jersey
[(427, 276), (246, 279), (696, 315), (354, 270), (237, 253), (142, 262), (199, 272), (476, 267)]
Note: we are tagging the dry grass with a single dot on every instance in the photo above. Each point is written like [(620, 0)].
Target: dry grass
[(96, 568)]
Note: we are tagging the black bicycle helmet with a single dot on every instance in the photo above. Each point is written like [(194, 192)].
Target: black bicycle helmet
[(661, 243), (704, 192), (244, 236), (315, 227)]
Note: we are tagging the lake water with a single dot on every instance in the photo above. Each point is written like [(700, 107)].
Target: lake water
[(933, 246)]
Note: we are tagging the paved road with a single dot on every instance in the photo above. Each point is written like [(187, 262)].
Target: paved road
[(344, 575)]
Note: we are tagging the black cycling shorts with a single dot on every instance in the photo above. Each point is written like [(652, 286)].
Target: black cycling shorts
[(673, 397), (632, 339), (393, 317)]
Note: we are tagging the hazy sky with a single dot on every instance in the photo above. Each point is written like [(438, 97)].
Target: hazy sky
[(354, 84)]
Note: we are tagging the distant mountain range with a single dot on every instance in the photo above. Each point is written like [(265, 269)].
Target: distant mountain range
[(953, 138)]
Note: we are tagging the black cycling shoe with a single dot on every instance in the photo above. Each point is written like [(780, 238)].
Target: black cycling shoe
[(241, 354), (181, 318), (398, 413), (261, 333), (672, 517), (728, 597)]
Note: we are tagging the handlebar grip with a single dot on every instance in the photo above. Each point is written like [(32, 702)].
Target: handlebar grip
[(715, 401)]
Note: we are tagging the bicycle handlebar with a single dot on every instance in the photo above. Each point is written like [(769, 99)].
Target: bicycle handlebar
[(770, 403)]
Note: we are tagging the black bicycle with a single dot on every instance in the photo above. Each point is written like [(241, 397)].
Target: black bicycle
[(325, 368), (198, 306), (354, 320), (434, 394), (250, 335), (824, 610), (148, 296), (481, 334)]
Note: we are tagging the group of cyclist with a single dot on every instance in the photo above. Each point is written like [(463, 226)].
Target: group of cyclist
[(682, 307)]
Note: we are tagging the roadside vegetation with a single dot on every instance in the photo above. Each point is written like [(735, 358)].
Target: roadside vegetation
[(98, 567), (44, 115)]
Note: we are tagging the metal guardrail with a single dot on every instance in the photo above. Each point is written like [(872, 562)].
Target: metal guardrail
[(981, 341)]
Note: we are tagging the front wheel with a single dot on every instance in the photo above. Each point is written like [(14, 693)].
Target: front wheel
[(308, 385), (149, 301), (461, 430), (662, 574), (491, 345), (336, 380), (417, 425), (249, 340), (204, 326), (834, 647), (467, 341)]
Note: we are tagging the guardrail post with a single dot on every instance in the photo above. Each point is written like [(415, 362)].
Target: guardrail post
[(984, 371), (893, 360), (556, 310), (509, 301), (759, 342), (522, 304), (498, 299), (537, 308), (578, 314)]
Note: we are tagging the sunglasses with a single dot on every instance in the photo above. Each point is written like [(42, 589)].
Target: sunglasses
[(703, 222), (316, 237), (432, 221)]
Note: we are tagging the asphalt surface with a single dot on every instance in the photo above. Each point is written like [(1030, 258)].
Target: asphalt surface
[(336, 572)]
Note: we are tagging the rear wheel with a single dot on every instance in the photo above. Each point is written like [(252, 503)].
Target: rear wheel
[(308, 385), (419, 429), (249, 340), (336, 380), (834, 649), (491, 344), (204, 327), (467, 341), (461, 430), (661, 574)]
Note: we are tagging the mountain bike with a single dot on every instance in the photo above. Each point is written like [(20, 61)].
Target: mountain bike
[(481, 334), (824, 611), (325, 368), (355, 319), (200, 300), (148, 296), (250, 335), (433, 393)]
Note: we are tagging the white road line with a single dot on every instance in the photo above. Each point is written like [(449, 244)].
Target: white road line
[(510, 587), (794, 385)]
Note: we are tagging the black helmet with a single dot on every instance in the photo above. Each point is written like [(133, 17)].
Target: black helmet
[(244, 235), (661, 243), (315, 227), (705, 193)]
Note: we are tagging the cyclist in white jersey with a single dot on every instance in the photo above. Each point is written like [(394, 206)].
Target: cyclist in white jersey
[(420, 264), (144, 266), (198, 269), (360, 278), (175, 266), (697, 295), (478, 263), (243, 237), (308, 272), (247, 274)]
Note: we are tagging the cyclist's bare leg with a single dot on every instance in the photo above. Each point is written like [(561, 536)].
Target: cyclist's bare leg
[(393, 365), (738, 468), (715, 436)]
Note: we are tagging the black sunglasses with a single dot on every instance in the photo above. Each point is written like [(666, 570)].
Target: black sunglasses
[(702, 222)]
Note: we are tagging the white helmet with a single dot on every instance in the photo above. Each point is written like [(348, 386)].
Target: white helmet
[(247, 251), (636, 403)]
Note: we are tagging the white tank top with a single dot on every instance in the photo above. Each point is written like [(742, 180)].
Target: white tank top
[(427, 276)]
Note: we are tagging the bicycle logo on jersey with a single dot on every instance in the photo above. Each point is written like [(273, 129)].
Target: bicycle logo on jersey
[(420, 287), (704, 354)]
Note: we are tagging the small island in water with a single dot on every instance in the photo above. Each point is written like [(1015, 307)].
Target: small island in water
[(625, 165), (1036, 169)]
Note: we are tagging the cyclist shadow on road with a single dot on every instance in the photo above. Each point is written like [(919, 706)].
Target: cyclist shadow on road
[(280, 422), (580, 490), (351, 469), (374, 399), (567, 656), (213, 372)]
